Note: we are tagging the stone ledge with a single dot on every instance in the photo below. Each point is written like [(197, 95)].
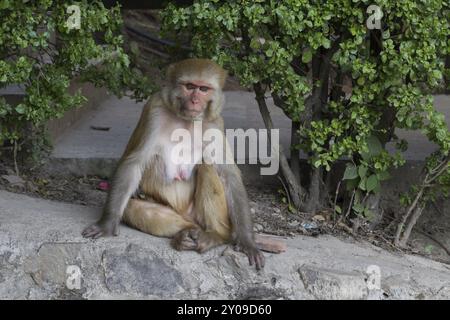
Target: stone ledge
[(39, 239)]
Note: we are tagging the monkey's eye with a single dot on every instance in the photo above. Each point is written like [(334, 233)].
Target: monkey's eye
[(190, 86)]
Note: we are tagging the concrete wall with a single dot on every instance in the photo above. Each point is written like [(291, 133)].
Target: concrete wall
[(95, 96)]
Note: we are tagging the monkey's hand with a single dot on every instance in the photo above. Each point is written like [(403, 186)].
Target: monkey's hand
[(255, 256), (102, 229)]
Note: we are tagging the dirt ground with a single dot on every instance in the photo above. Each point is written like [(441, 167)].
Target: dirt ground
[(270, 214)]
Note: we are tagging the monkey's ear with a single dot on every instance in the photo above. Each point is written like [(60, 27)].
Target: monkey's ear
[(170, 73), (215, 106), (222, 77)]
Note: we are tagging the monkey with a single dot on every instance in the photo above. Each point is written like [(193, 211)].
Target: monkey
[(199, 205)]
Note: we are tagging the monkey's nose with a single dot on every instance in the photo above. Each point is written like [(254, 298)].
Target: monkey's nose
[(195, 104)]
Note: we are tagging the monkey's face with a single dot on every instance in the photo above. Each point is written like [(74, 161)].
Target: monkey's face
[(195, 96)]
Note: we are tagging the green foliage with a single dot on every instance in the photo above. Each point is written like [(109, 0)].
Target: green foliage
[(275, 43), (367, 177), (41, 53)]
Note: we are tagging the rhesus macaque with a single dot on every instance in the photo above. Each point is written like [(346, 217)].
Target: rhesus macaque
[(199, 205)]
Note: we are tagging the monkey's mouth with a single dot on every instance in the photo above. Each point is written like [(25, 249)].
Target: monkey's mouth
[(192, 111)]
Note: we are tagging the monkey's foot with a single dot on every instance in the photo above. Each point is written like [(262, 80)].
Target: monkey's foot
[(93, 231), (98, 230), (254, 255), (186, 239), (208, 240)]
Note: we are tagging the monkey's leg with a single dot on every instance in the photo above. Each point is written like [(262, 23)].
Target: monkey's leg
[(154, 218), (210, 210)]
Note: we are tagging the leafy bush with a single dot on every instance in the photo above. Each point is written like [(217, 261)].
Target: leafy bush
[(346, 87), (42, 49)]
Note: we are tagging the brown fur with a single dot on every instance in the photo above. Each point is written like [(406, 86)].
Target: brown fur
[(196, 69), (172, 208)]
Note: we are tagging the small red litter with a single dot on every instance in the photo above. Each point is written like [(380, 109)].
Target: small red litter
[(103, 185)]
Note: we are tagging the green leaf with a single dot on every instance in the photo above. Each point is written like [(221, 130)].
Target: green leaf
[(351, 184), (350, 172), (377, 188), (20, 108), (291, 208), (362, 170), (368, 214), (437, 74), (358, 208), (317, 163), (362, 184), (372, 183), (307, 56), (337, 209), (374, 145), (4, 4), (429, 248), (365, 156)]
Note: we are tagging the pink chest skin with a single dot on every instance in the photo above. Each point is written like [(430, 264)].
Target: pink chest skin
[(182, 174), (179, 150), (180, 169)]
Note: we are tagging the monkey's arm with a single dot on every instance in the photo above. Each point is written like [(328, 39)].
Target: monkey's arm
[(239, 213), (126, 180)]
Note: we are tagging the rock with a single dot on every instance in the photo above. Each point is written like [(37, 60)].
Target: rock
[(257, 227), (43, 256), (319, 217), (31, 186), (10, 171), (293, 224), (14, 180), (327, 284), (141, 272), (49, 265), (396, 287)]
